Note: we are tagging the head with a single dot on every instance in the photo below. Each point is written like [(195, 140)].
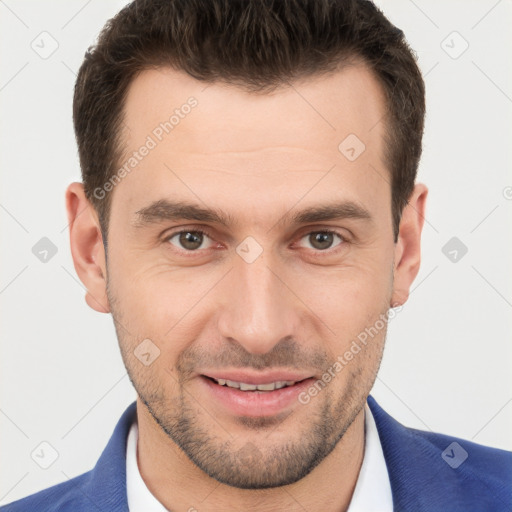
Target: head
[(251, 167)]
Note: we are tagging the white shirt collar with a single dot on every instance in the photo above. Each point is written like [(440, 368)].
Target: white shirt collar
[(372, 492), (140, 498), (373, 489)]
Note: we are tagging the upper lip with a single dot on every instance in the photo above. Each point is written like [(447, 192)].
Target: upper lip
[(254, 377)]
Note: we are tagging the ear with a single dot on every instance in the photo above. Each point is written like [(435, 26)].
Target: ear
[(408, 246), (87, 247)]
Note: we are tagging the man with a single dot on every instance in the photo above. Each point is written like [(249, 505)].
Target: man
[(249, 210)]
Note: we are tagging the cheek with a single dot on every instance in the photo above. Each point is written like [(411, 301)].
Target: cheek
[(161, 305), (358, 286), (348, 300)]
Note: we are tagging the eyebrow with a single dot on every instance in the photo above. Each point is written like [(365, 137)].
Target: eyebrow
[(165, 210)]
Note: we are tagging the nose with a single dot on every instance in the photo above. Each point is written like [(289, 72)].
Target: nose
[(258, 309)]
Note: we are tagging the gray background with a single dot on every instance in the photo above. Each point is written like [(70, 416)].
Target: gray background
[(447, 363)]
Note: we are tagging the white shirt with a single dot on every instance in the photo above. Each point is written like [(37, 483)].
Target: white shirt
[(372, 492)]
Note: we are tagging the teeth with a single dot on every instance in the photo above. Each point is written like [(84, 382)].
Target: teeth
[(242, 386), (267, 387), (247, 387)]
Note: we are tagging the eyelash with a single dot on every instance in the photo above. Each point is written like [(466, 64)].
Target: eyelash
[(344, 240)]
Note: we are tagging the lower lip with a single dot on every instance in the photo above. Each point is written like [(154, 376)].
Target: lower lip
[(256, 403)]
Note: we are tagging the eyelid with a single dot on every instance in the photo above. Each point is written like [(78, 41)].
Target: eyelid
[(185, 229), (324, 229)]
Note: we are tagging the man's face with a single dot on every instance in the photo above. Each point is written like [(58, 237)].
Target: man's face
[(268, 295)]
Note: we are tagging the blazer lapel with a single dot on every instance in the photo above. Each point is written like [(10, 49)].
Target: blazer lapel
[(106, 486)]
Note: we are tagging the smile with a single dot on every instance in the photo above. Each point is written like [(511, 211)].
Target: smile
[(251, 395)]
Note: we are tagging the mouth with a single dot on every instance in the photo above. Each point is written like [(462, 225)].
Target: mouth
[(251, 395)]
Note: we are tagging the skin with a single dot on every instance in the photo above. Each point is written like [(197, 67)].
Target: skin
[(259, 158)]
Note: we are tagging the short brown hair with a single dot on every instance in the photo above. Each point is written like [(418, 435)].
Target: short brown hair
[(257, 45)]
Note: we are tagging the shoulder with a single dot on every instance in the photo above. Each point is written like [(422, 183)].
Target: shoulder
[(69, 495), (429, 470)]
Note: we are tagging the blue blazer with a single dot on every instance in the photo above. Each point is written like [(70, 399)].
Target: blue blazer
[(428, 472)]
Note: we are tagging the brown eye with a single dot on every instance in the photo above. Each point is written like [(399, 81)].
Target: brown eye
[(189, 240), (322, 240)]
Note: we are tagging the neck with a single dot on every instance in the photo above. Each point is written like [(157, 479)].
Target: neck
[(179, 484)]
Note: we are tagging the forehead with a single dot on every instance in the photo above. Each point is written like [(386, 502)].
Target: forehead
[(209, 140), (348, 101)]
